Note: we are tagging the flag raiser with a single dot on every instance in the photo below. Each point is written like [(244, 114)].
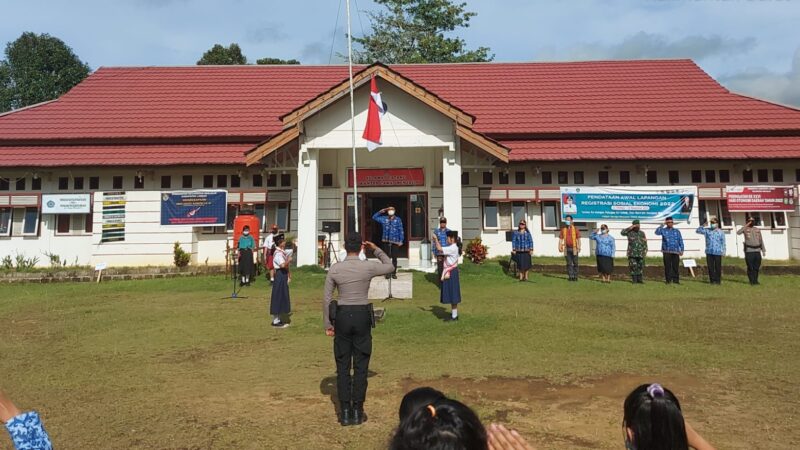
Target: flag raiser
[(372, 130)]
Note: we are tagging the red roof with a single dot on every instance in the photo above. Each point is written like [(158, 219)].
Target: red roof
[(122, 154)]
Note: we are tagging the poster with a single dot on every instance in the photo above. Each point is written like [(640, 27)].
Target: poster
[(761, 198), (194, 208), (113, 221), (624, 203), (66, 204), (387, 177)]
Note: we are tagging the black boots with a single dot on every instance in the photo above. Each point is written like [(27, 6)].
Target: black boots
[(358, 414), (352, 415), (637, 279), (347, 415)]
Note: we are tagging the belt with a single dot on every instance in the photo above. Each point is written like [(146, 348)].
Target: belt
[(355, 307)]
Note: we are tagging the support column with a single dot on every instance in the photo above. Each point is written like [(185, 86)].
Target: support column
[(307, 205), (451, 186)]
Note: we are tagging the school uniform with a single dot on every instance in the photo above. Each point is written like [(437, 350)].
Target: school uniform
[(441, 235), (247, 268), (450, 292), (279, 301), (269, 243)]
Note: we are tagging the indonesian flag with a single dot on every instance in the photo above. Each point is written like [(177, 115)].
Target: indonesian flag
[(372, 131)]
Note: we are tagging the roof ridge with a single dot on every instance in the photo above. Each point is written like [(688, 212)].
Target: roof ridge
[(769, 102), (35, 105)]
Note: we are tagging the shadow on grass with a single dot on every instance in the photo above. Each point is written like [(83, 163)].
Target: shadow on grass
[(327, 387), (438, 311), (432, 278)]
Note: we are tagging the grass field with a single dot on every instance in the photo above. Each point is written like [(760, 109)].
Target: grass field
[(167, 364)]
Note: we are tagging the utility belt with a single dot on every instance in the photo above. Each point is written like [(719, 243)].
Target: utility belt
[(752, 246), (334, 308)]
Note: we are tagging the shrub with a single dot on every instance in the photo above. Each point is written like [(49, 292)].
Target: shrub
[(476, 251), (181, 258)]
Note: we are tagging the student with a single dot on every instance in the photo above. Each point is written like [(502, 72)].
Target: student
[(25, 429), (269, 249), (443, 424), (637, 251), (521, 249), (441, 234), (392, 236), (569, 243), (280, 304), (715, 249), (418, 398), (753, 248), (653, 420), (606, 247), (672, 249), (450, 290), (247, 246)]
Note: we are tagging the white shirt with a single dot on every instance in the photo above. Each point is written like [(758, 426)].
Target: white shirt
[(280, 257), (269, 240), (451, 253)]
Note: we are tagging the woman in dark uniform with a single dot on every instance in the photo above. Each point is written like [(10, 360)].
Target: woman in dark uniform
[(247, 245), (450, 293), (279, 303)]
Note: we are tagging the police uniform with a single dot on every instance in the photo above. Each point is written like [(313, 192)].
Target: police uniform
[(352, 342)]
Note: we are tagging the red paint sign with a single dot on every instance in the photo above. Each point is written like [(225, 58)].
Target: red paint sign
[(761, 198), (387, 177)]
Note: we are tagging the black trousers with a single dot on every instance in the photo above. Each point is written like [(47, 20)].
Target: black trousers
[(572, 263), (753, 260), (671, 268), (439, 266), (352, 347), (714, 268), (391, 251)]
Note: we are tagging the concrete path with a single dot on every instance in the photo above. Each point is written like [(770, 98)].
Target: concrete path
[(402, 287)]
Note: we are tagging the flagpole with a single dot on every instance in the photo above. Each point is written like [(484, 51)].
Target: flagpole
[(352, 115)]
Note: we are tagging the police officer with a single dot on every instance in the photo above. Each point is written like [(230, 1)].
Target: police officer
[(352, 326)]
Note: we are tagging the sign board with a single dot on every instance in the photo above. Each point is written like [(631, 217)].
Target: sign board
[(194, 208), (589, 204), (113, 223), (689, 263), (66, 204), (761, 198), (387, 177), (101, 266)]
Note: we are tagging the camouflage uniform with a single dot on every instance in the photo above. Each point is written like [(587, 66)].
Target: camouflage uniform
[(637, 250)]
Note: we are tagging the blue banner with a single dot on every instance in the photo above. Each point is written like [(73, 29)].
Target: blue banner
[(589, 204), (194, 208)]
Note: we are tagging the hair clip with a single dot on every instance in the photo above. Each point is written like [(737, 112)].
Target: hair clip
[(432, 410), (655, 390)]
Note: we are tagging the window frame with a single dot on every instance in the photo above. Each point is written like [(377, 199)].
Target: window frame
[(166, 180), (484, 215), (547, 177), (114, 182), (185, 178), (74, 231), (578, 175), (676, 179), (773, 215), (8, 220), (627, 173), (503, 177), (557, 209), (777, 175), (25, 209), (603, 174), (94, 183), (648, 174), (706, 209), (519, 177)]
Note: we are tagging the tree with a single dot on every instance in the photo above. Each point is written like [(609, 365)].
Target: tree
[(223, 56), (37, 68), (413, 31), (276, 61)]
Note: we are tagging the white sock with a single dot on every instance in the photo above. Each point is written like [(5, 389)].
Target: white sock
[(455, 313), (276, 319)]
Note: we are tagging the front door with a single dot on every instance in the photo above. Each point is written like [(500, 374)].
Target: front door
[(373, 231)]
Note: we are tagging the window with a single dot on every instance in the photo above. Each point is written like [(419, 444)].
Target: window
[(73, 224), (327, 180), (757, 216), (715, 208), (763, 175), (5, 221), (272, 180), (166, 182), (747, 176), (233, 211), (138, 182), (577, 177), (4, 184), (519, 177), (36, 184), (286, 179), (222, 181), (777, 175), (418, 228), (724, 176), (20, 184), (796, 174), (441, 178), (236, 181), (25, 221), (551, 216), (547, 177), (94, 183), (491, 215), (465, 178), (624, 177), (77, 183), (674, 177), (502, 177), (208, 181), (651, 176), (282, 215), (602, 177), (258, 180), (517, 213), (563, 177), (63, 183), (186, 182), (116, 182), (697, 176), (711, 176), (487, 178), (778, 220)]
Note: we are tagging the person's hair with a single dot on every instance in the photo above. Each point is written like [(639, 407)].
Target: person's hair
[(653, 416), (352, 243), (603, 226), (442, 425), (279, 239), (246, 227), (452, 234), (418, 398), (442, 220), (568, 217), (670, 219), (713, 219)]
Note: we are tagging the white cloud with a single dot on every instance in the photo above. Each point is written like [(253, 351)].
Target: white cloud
[(762, 83)]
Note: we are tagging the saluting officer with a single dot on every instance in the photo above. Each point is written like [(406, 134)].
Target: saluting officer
[(352, 324)]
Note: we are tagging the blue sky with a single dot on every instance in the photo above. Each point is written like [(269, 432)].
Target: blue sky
[(751, 46)]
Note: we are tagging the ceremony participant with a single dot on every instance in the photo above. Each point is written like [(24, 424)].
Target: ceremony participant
[(653, 420), (715, 248), (268, 247), (443, 424), (521, 249), (606, 247), (279, 305), (25, 429), (450, 289), (637, 251), (441, 234), (393, 235), (247, 245), (753, 248), (351, 327), (672, 249), (569, 243), (418, 398)]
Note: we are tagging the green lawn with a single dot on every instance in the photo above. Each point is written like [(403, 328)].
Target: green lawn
[(168, 364)]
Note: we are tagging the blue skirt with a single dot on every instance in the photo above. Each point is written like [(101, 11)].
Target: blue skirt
[(451, 289), (279, 303)]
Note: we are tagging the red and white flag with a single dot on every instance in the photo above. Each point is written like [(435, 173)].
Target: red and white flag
[(372, 131)]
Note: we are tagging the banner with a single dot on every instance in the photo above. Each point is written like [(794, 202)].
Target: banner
[(589, 204), (761, 198), (113, 223), (387, 177), (66, 204), (194, 208)]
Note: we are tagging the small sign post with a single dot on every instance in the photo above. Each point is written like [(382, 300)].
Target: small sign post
[(99, 269), (690, 264)]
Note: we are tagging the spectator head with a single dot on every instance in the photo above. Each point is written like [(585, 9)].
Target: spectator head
[(246, 229), (670, 222), (444, 424), (280, 240), (274, 227), (522, 225), (653, 420), (452, 237), (418, 398), (442, 222), (352, 243)]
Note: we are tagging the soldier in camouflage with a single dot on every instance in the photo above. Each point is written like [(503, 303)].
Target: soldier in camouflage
[(637, 251)]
